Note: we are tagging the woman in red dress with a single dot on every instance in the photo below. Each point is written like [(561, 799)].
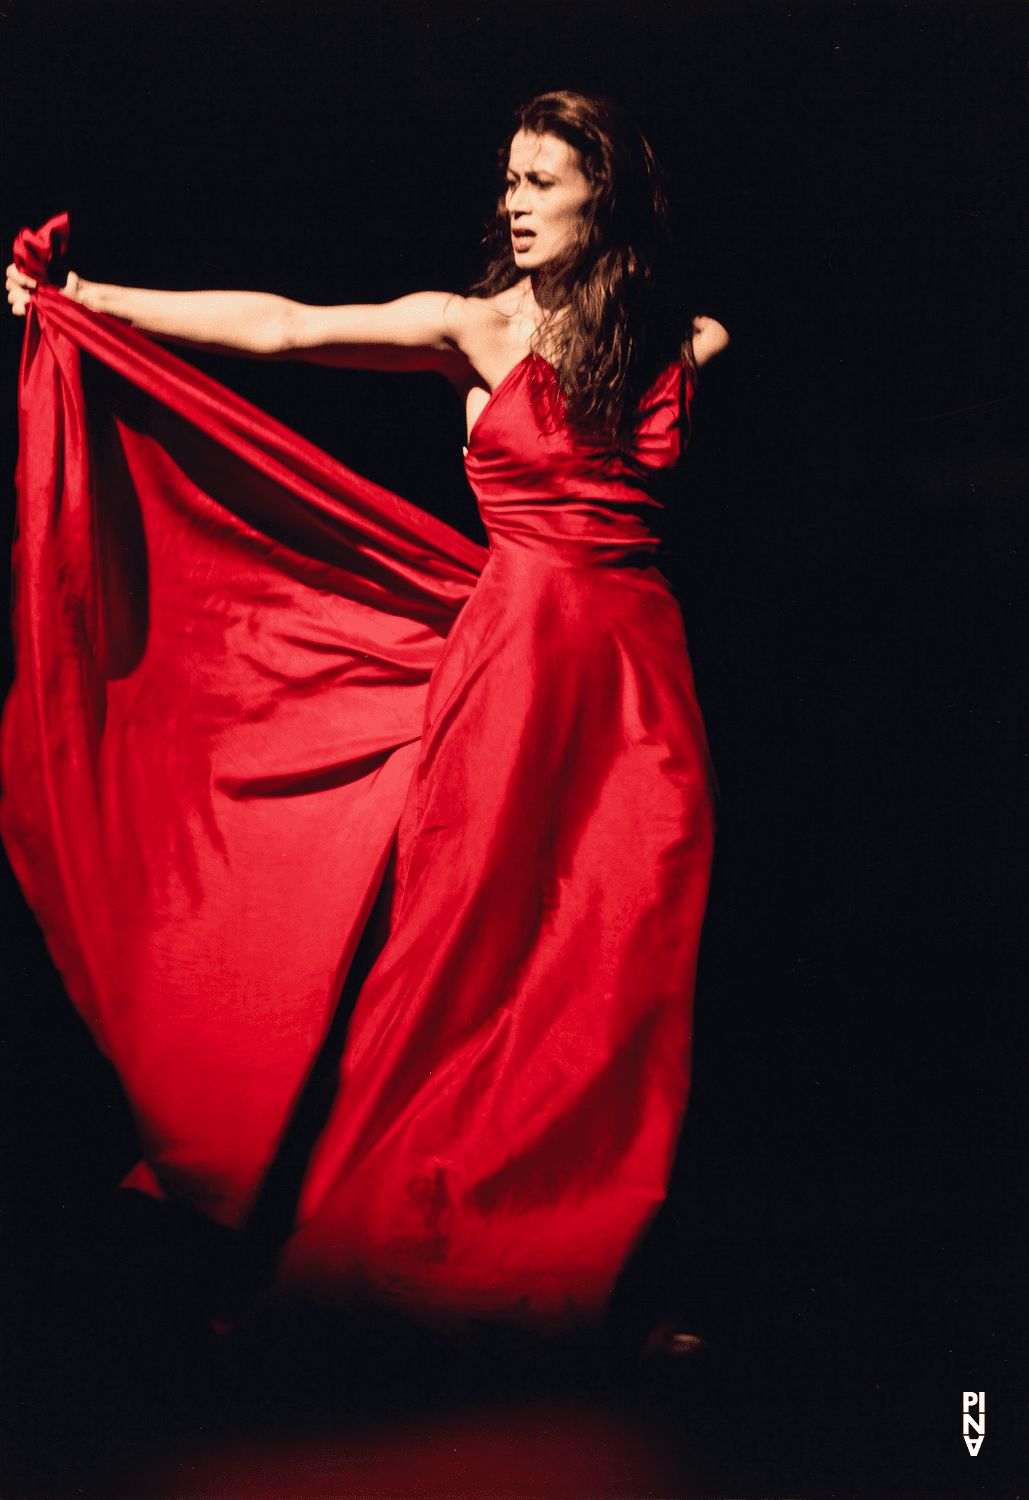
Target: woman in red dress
[(267, 742)]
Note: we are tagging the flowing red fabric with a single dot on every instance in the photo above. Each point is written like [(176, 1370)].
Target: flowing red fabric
[(252, 685)]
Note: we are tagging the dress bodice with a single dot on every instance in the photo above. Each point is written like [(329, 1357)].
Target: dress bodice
[(543, 488)]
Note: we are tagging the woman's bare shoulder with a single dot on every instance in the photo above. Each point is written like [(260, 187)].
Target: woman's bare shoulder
[(492, 332), (475, 314), (709, 339)]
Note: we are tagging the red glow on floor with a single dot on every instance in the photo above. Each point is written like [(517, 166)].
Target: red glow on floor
[(549, 1451)]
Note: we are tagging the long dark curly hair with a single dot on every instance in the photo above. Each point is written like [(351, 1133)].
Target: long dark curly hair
[(615, 317)]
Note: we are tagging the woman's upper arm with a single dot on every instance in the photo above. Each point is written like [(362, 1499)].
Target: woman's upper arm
[(420, 331), (709, 339)]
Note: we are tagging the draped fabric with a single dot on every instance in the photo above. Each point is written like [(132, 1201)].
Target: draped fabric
[(250, 687), (223, 645)]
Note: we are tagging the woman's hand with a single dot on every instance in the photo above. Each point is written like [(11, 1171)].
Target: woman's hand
[(19, 290)]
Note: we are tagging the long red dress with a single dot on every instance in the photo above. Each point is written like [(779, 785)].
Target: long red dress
[(245, 677)]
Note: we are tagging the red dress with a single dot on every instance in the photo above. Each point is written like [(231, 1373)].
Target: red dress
[(244, 675)]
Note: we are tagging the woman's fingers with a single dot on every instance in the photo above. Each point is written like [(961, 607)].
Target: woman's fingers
[(19, 290)]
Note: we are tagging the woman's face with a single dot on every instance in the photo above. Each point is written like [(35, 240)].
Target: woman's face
[(547, 191)]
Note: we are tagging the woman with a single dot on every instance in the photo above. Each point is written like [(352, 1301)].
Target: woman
[(516, 1066)]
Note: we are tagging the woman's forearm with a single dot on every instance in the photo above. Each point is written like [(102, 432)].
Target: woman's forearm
[(237, 322)]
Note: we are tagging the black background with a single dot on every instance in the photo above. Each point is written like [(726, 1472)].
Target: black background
[(847, 544)]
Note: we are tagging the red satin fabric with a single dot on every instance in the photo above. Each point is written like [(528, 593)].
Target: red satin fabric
[(238, 683)]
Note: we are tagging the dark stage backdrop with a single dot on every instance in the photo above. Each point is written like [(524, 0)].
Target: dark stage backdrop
[(847, 542)]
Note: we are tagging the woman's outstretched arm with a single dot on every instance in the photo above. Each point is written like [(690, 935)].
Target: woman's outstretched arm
[(422, 331)]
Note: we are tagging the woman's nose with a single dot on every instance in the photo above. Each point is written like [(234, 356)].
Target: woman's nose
[(516, 199)]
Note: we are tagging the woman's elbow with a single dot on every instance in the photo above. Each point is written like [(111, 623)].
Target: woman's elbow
[(282, 333), (709, 339)]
